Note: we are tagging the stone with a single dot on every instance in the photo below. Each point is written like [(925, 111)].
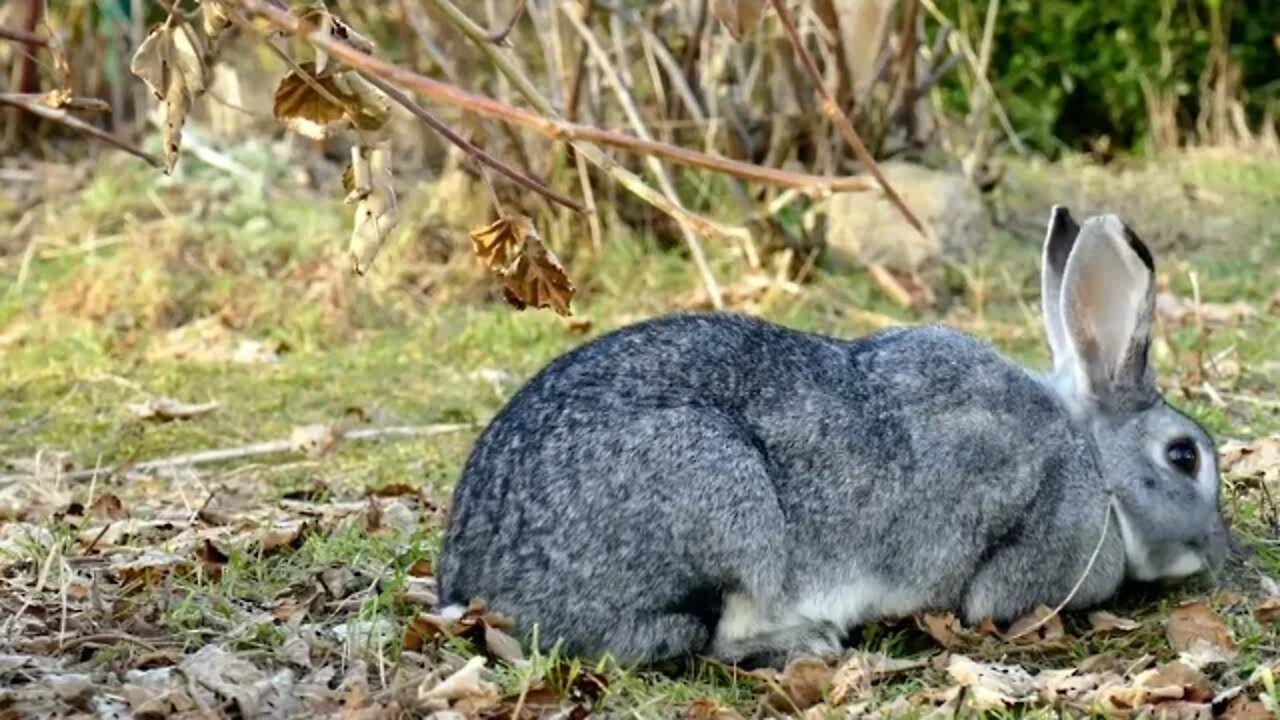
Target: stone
[(865, 227)]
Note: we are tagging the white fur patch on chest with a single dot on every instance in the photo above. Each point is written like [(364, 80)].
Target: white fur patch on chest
[(846, 605)]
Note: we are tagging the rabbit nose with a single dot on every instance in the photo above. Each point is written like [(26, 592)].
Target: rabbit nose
[(1213, 546)]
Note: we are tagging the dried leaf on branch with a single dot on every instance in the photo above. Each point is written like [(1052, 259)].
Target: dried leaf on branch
[(368, 185), (317, 106), (173, 61), (532, 275)]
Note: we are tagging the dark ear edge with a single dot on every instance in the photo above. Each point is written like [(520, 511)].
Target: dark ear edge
[(1139, 247), (1059, 240), (1063, 230)]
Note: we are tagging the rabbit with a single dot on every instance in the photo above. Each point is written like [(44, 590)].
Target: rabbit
[(716, 485)]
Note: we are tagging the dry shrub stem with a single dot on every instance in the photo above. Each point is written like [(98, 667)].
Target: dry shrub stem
[(474, 151), (58, 115), (22, 36), (552, 128), (833, 112)]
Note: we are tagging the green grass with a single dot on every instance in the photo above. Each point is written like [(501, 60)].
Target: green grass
[(378, 350)]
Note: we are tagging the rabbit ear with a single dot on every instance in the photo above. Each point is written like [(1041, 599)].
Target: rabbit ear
[(1108, 298), (1058, 241)]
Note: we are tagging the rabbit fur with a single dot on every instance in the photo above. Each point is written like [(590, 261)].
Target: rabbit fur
[(714, 484)]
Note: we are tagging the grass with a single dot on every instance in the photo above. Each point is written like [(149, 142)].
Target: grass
[(86, 330)]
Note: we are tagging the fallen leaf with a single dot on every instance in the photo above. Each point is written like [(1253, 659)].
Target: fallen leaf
[(107, 507), (855, 675), (164, 409), (501, 645), (1259, 459), (1105, 623), (465, 690), (1042, 625), (802, 682), (707, 708), (1193, 683), (421, 568), (1268, 611), (171, 61), (375, 198), (992, 686), (947, 630), (313, 440), (739, 17), (1200, 634), (1243, 708), (287, 535)]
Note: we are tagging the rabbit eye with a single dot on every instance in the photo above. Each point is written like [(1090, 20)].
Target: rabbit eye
[(1183, 455)]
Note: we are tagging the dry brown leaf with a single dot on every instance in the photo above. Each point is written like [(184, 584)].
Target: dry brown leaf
[(707, 708), (287, 535), (947, 630), (375, 197), (498, 245), (539, 280), (532, 275), (1268, 611), (1200, 634), (1105, 623), (739, 17), (465, 690), (501, 645), (171, 61), (856, 674), (107, 507), (803, 681), (992, 686), (347, 101), (1258, 459), (1193, 684), (1242, 708), (165, 409), (1041, 625)]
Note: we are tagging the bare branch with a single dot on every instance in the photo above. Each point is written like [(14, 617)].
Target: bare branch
[(832, 110), (549, 127), (500, 37), (62, 116), (475, 151), (22, 36)]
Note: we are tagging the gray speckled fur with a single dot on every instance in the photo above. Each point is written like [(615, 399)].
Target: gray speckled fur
[(639, 482)]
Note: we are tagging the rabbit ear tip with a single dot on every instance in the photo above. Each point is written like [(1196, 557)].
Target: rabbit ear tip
[(1059, 212)]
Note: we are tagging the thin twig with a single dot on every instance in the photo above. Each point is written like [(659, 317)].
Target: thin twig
[(842, 123), (22, 36), (546, 124), (480, 154), (499, 37), (270, 447), (637, 124), (88, 104), (75, 123)]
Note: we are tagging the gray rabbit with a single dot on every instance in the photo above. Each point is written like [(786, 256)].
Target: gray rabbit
[(714, 484)]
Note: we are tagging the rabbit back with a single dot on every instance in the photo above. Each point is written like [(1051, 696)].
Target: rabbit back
[(717, 481)]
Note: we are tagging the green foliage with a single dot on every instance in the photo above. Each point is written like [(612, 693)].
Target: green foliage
[(1069, 72)]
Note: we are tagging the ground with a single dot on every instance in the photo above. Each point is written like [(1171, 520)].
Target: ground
[(295, 577)]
